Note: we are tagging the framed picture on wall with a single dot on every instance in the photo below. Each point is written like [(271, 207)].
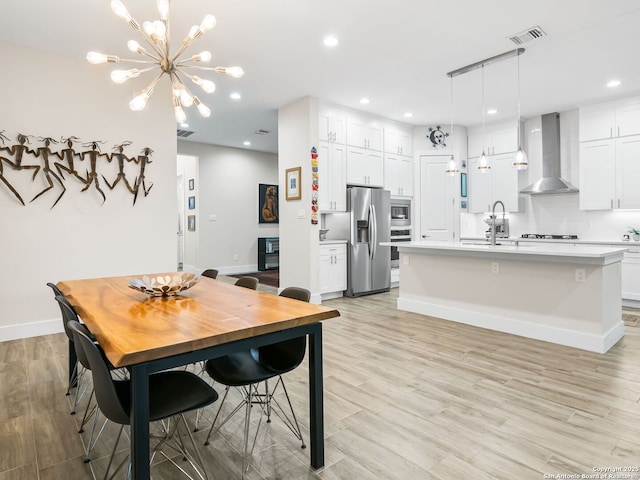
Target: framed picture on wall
[(191, 184), (267, 203), (192, 203), (293, 183)]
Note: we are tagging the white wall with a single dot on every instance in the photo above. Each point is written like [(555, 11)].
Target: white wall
[(557, 214), (226, 186), (81, 237)]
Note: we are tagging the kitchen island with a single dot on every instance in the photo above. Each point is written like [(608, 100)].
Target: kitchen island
[(568, 295)]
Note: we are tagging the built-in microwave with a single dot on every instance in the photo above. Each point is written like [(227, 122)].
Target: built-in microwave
[(400, 212)]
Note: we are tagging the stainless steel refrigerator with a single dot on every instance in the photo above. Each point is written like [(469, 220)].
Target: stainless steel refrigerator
[(369, 264)]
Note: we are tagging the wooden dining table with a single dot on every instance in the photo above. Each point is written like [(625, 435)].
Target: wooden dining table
[(211, 319)]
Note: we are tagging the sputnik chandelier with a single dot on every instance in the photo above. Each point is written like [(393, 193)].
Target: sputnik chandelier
[(156, 35)]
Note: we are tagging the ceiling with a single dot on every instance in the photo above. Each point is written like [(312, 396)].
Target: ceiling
[(395, 53)]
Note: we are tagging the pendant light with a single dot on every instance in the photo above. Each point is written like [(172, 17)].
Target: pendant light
[(483, 164), (452, 166), (521, 162)]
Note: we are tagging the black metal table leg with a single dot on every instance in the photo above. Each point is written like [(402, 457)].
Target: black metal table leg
[(140, 422), (316, 405)]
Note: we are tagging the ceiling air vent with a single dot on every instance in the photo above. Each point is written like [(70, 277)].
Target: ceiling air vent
[(527, 35), (184, 133)]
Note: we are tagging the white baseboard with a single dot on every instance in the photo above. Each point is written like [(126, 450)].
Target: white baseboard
[(234, 270), (569, 338), (33, 329)]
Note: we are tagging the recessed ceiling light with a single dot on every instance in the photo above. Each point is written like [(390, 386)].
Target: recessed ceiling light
[(614, 83), (184, 125), (492, 111), (364, 101), (246, 143), (235, 96), (330, 41), (408, 115)]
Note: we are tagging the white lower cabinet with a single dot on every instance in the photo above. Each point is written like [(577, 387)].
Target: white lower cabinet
[(333, 268), (631, 274)]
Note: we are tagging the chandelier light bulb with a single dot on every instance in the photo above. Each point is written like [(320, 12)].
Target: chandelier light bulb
[(206, 85), (193, 33), (208, 23), (204, 56), (163, 8), (521, 162), (181, 117), (120, 10), (235, 72), (139, 102), (185, 97), (159, 32), (147, 27), (121, 76), (97, 58), (135, 47), (202, 108)]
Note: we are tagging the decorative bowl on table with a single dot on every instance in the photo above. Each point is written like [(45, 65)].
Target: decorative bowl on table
[(166, 285)]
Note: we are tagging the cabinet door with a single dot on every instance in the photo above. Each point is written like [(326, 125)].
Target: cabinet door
[(475, 144), (504, 181), (628, 120), (338, 177), (628, 172), (596, 122), (374, 137), (597, 175), (356, 132), (356, 166), (324, 127), (631, 274), (398, 175), (480, 188), (324, 177), (325, 273), (332, 127), (438, 191), (504, 140), (374, 168), (339, 272)]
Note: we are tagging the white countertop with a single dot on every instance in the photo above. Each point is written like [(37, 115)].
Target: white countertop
[(624, 243), (554, 252), (332, 242)]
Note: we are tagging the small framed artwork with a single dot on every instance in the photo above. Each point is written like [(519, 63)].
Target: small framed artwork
[(191, 223), (267, 203), (463, 185), (293, 183), (191, 184), (192, 203)]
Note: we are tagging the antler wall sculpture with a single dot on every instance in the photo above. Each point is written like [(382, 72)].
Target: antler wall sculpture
[(39, 154)]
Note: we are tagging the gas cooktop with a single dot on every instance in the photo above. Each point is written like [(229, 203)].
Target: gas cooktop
[(551, 237)]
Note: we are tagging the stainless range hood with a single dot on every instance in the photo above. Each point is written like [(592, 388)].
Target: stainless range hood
[(550, 181)]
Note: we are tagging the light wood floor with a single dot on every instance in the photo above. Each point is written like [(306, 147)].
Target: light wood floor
[(406, 397)]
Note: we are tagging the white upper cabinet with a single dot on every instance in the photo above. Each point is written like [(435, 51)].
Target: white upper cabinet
[(398, 175), (499, 183), (609, 173), (364, 167), (332, 126), (497, 139), (332, 184), (364, 132), (610, 120), (398, 141)]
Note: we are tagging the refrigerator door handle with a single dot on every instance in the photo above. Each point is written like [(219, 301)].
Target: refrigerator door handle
[(374, 219)]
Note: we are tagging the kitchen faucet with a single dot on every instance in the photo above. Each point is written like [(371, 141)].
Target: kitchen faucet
[(493, 220)]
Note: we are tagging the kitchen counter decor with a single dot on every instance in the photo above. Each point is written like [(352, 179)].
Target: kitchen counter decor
[(164, 285)]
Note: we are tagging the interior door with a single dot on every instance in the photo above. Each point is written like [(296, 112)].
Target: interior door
[(439, 194)]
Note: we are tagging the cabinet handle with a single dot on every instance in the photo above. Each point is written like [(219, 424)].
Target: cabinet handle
[(612, 203), (610, 132), (425, 236), (618, 130), (618, 203)]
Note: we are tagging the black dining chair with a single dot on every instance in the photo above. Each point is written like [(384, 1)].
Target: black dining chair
[(171, 393), (211, 273), (247, 282), (248, 369), (75, 378)]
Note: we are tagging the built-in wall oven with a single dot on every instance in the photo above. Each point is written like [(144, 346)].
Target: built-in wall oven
[(398, 234)]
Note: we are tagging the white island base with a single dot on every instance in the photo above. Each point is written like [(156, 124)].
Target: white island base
[(531, 291)]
